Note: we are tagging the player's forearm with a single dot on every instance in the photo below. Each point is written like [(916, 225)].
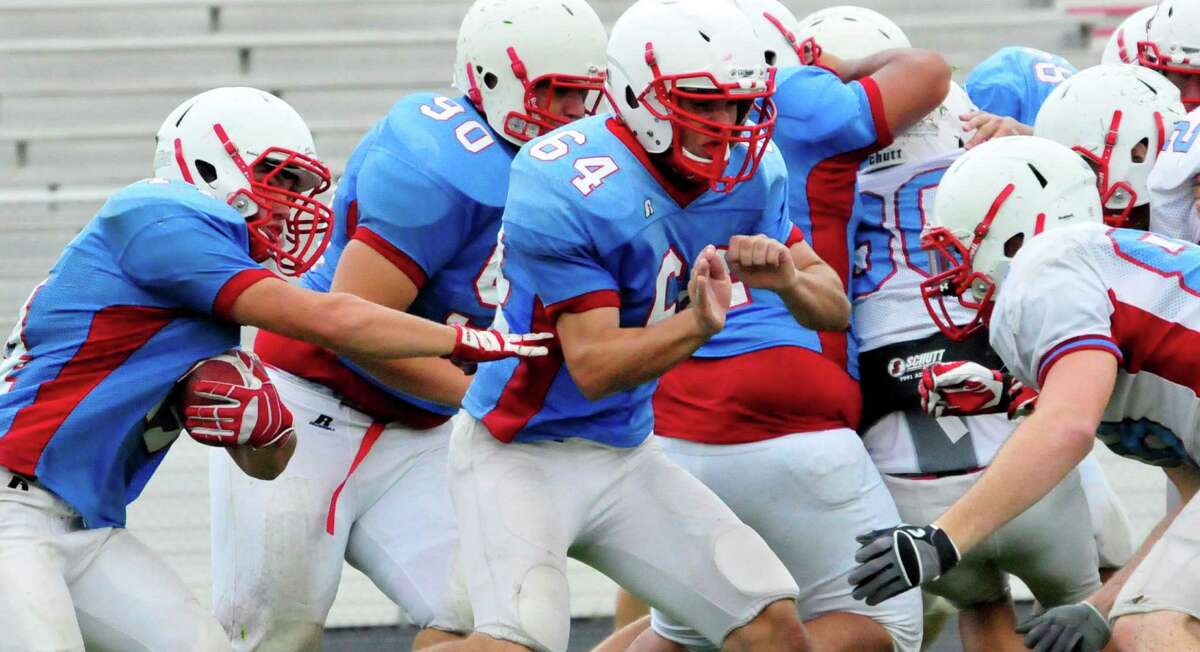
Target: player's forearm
[(432, 379), (817, 300), (340, 321), (619, 359), (906, 59), (1041, 452)]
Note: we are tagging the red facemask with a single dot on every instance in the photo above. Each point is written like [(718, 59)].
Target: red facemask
[(753, 127), (536, 119), (291, 227), (952, 276), (1151, 57)]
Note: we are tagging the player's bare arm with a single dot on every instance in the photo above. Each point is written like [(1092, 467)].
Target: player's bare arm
[(810, 288), (1041, 452), (355, 326), (366, 273), (604, 358), (912, 82)]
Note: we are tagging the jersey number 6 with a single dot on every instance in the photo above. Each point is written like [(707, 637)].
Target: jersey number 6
[(592, 169)]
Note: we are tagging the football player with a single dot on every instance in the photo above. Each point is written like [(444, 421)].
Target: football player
[(929, 462), (1014, 81), (1116, 117), (418, 216), (158, 280), (1097, 319), (612, 225), (1122, 46), (723, 414), (1172, 47)]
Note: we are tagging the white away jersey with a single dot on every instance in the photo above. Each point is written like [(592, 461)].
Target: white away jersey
[(1131, 293), (1171, 181), (889, 263)]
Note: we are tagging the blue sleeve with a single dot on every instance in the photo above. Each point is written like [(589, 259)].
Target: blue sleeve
[(995, 96), (408, 216), (188, 257), (545, 237), (817, 108)]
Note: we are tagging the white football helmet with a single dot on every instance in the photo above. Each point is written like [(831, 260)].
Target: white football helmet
[(775, 26), (665, 51), (850, 32), (507, 48), (937, 133), (1122, 46), (1104, 113), (1172, 43), (991, 200), (251, 149)]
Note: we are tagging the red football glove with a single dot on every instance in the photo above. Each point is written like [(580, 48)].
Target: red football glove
[(249, 413), (1021, 400), (474, 345), (961, 388)]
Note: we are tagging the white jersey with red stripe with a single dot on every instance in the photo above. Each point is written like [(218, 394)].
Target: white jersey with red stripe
[(1130, 293), (1171, 183)]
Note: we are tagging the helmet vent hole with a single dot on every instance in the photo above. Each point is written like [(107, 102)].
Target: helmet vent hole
[(630, 98), (207, 170), (1041, 179), (769, 55), (490, 80), (704, 36), (568, 10)]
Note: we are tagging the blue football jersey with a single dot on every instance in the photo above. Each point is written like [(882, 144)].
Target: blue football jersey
[(138, 297), (825, 129), (1015, 81), (425, 188), (589, 224)]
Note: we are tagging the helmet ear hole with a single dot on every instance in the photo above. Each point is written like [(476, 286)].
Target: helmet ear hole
[(490, 80), (1140, 151), (769, 56), (631, 98), (1013, 245), (207, 171)]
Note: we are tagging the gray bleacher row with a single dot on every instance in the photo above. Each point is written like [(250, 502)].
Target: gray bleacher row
[(84, 83)]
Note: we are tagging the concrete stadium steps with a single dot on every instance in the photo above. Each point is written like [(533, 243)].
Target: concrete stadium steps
[(326, 99), (89, 18), (284, 57)]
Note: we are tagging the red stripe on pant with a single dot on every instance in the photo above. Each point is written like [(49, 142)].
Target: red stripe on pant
[(368, 440)]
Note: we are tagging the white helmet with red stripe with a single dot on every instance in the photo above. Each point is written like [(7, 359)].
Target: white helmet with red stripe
[(1172, 43), (775, 26), (1122, 46), (251, 149), (1116, 117), (992, 199), (850, 32), (663, 52), (511, 51)]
